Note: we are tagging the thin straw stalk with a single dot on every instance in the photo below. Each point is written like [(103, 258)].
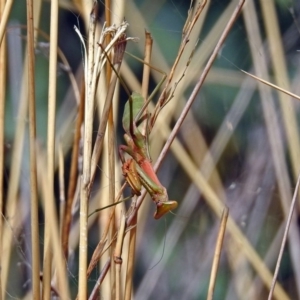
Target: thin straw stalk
[(2, 122), (215, 264), (73, 178), (85, 178), (33, 164), (4, 18), (49, 206)]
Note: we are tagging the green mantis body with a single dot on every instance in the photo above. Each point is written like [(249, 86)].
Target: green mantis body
[(138, 171)]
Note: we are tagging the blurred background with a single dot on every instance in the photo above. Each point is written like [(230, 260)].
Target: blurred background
[(239, 145)]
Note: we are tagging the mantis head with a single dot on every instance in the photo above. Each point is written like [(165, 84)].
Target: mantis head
[(164, 207)]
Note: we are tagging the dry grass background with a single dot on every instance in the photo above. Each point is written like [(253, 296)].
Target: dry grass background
[(238, 146)]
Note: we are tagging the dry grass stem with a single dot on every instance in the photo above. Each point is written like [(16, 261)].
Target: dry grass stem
[(95, 293), (49, 205), (146, 68), (2, 122), (285, 91), (118, 257), (33, 163), (130, 260), (284, 238), (217, 254), (87, 151), (4, 18), (62, 191), (73, 179), (59, 280)]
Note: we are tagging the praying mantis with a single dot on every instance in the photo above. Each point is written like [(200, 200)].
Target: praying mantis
[(138, 170)]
